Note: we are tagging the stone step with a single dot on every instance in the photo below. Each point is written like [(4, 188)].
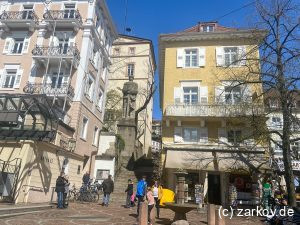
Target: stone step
[(22, 209)]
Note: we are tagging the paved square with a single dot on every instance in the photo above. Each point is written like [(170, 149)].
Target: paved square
[(90, 214)]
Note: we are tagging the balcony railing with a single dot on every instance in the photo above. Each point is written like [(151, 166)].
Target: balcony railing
[(57, 51), (19, 16), (214, 110), (63, 15), (48, 89)]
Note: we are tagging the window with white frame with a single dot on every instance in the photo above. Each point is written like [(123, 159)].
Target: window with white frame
[(18, 44), (102, 174), (130, 70), (191, 57), (10, 78), (190, 134), (234, 136), (84, 126), (208, 28), (276, 121), (231, 56), (69, 11), (233, 95), (277, 146), (190, 95), (89, 89), (96, 135), (100, 99), (27, 12)]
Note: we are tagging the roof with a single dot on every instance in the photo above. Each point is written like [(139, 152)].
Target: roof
[(217, 27), (136, 40)]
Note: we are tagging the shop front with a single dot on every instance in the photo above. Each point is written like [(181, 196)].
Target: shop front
[(210, 184)]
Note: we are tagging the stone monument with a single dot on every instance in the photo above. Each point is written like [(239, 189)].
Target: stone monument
[(126, 125)]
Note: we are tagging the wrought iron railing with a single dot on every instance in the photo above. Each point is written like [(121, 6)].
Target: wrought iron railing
[(68, 14), (57, 51), (49, 89), (214, 110), (19, 15)]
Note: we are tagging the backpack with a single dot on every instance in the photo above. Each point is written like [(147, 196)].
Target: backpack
[(141, 186)]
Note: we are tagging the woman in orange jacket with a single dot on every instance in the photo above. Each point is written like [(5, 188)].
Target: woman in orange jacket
[(157, 191)]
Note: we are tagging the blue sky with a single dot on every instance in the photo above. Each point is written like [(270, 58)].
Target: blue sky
[(149, 18)]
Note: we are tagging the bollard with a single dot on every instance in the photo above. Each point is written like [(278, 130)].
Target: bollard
[(143, 214), (211, 218), (219, 220)]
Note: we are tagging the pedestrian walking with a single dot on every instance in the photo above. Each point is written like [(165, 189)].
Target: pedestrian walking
[(60, 189), (232, 196), (129, 191), (66, 193), (108, 188), (157, 194), (141, 190), (267, 194), (151, 202)]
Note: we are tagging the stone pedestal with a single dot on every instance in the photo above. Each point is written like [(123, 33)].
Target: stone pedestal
[(211, 217), (143, 214), (127, 130)]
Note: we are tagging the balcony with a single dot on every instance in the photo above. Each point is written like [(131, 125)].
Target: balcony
[(69, 54), (61, 91), (18, 19), (214, 110), (63, 18)]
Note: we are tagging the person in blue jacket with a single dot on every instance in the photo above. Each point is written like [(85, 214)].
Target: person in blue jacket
[(141, 192)]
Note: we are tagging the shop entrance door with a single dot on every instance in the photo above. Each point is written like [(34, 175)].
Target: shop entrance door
[(214, 189)]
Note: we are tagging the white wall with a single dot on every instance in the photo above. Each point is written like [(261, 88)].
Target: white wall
[(105, 164), (105, 142)]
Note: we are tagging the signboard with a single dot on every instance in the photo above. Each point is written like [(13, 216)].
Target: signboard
[(295, 165)]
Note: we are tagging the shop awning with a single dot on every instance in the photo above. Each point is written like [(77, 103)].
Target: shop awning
[(215, 161)]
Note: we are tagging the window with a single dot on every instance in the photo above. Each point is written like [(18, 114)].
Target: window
[(96, 135), (191, 58), (295, 147), (10, 78), (102, 174), (100, 99), (27, 12), (84, 128), (231, 56), (78, 169), (130, 70), (276, 121), (277, 147), (273, 103), (131, 51), (117, 51), (190, 95), (208, 28), (89, 89), (69, 11), (57, 81), (234, 136), (18, 46), (190, 135), (233, 95)]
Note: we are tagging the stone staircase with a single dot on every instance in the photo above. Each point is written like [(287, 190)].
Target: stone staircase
[(120, 183)]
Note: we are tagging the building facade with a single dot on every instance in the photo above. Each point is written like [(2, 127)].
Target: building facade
[(156, 136), (132, 57), (207, 108), (58, 51)]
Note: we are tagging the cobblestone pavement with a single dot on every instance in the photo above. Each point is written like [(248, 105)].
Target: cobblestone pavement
[(90, 214)]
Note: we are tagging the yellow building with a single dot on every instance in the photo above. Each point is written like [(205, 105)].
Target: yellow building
[(208, 104)]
